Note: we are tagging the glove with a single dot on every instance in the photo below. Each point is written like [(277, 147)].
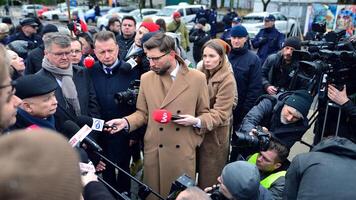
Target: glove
[(263, 40)]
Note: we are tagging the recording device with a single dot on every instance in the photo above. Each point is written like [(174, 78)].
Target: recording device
[(260, 140), (129, 96), (162, 116), (129, 65), (215, 194), (179, 185), (71, 128), (94, 123), (176, 117)]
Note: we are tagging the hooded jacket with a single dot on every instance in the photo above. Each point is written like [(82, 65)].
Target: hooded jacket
[(327, 172)]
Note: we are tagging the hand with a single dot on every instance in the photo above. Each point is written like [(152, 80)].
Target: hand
[(89, 177), (208, 189), (101, 166), (271, 90), (118, 123), (263, 40), (337, 96), (187, 120), (254, 131)]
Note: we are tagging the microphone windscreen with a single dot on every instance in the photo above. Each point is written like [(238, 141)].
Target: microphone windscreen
[(84, 120), (70, 128), (162, 116)]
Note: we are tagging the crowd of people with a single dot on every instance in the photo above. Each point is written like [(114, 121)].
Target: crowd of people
[(210, 106)]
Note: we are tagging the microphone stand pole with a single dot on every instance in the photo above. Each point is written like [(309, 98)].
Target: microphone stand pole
[(147, 188), (121, 195)]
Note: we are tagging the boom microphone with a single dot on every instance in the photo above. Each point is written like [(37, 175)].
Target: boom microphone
[(70, 128)]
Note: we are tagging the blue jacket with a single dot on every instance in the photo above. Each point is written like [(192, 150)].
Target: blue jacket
[(267, 41), (247, 70)]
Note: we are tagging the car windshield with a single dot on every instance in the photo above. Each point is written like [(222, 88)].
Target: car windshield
[(252, 19), (167, 12)]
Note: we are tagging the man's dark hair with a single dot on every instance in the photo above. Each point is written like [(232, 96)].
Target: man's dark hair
[(281, 150), (104, 36), (129, 18), (112, 21), (86, 37), (161, 41)]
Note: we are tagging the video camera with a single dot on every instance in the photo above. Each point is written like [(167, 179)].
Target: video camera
[(129, 96), (260, 141)]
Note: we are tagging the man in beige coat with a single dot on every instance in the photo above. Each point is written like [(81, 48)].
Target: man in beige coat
[(169, 149)]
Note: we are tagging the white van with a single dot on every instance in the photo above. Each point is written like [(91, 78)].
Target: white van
[(31, 10), (187, 11)]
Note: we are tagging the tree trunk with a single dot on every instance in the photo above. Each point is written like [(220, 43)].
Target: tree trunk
[(151, 4), (222, 3), (231, 3), (142, 4), (265, 4), (214, 4)]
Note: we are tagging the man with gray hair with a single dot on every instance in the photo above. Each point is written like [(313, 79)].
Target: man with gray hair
[(76, 95)]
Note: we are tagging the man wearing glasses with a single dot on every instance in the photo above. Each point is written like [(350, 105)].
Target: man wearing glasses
[(169, 149), (9, 102), (76, 95), (28, 32)]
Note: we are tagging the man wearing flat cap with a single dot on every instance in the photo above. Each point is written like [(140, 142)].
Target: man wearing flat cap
[(279, 69), (28, 32), (268, 40), (39, 102), (284, 115)]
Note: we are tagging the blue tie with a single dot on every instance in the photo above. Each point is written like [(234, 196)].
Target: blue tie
[(108, 70)]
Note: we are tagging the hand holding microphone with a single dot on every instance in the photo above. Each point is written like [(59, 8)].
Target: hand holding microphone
[(119, 124), (164, 116)]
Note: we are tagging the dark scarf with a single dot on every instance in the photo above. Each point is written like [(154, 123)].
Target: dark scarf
[(44, 123), (240, 51)]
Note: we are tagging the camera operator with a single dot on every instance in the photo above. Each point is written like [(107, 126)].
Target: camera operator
[(348, 118), (327, 172), (239, 180), (285, 115), (109, 79), (277, 71), (193, 193), (272, 164)]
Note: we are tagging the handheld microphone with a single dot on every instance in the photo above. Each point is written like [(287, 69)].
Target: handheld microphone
[(162, 116), (71, 128), (94, 123), (128, 65)]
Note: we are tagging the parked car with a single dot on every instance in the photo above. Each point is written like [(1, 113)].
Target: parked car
[(63, 17), (41, 11), (90, 17), (187, 11), (255, 21), (54, 14), (117, 11), (30, 10), (146, 12)]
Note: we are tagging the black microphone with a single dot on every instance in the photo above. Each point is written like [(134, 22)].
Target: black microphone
[(71, 128)]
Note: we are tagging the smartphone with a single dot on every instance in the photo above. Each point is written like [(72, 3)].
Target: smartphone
[(176, 117)]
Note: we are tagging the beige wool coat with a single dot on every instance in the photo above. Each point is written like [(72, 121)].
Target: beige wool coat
[(214, 150), (170, 149)]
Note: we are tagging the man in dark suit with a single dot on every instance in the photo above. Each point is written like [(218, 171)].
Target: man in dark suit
[(76, 95)]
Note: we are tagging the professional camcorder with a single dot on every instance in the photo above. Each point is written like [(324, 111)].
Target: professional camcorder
[(129, 96), (261, 140), (179, 185)]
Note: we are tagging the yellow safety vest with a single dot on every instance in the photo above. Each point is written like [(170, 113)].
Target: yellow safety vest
[(266, 182)]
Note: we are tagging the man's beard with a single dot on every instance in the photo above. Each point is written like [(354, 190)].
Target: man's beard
[(284, 121), (161, 71)]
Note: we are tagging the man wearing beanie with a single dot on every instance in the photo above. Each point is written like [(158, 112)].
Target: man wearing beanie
[(247, 71), (35, 56), (268, 40), (284, 115), (38, 101), (179, 27), (240, 180), (279, 69)]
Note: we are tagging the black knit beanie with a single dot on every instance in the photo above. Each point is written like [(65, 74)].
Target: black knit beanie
[(301, 100), (293, 42)]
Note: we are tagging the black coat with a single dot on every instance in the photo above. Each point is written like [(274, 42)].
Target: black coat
[(86, 96), (34, 60), (198, 37), (95, 190), (267, 113), (328, 172), (124, 45), (247, 71)]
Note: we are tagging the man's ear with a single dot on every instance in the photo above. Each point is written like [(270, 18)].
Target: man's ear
[(277, 165), (26, 106)]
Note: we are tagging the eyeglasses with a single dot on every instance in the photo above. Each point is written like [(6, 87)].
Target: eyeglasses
[(61, 54), (156, 59), (13, 90)]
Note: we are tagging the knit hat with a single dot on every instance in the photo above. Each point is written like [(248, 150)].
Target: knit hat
[(301, 100), (6, 20), (270, 18), (38, 164), (33, 85), (151, 27), (239, 31), (49, 28), (176, 14), (292, 42), (202, 21), (4, 28), (242, 179)]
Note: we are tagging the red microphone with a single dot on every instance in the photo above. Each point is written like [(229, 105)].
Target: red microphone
[(32, 127), (89, 62), (162, 116)]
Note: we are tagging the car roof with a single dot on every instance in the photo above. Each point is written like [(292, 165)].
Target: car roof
[(184, 5)]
